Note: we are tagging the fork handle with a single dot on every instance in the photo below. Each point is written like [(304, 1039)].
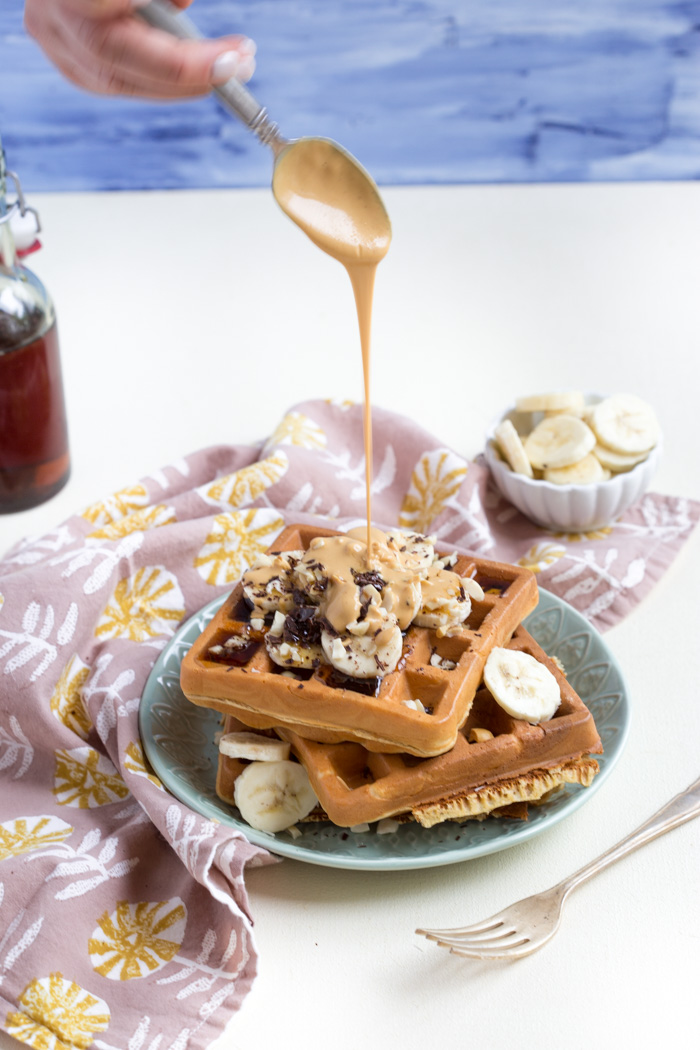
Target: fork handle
[(685, 806)]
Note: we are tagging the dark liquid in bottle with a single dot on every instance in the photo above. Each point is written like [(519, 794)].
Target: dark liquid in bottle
[(34, 459)]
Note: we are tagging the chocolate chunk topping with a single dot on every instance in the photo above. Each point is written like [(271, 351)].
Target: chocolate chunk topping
[(302, 628), (372, 578)]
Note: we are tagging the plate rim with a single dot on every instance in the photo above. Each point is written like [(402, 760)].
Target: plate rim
[(292, 851)]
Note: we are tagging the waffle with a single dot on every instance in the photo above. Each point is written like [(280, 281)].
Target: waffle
[(520, 763), (228, 769), (325, 707)]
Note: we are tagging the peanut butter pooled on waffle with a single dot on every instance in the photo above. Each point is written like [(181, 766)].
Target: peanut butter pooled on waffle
[(331, 608), (385, 647)]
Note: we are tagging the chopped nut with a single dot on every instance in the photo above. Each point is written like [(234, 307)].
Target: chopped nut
[(478, 736)]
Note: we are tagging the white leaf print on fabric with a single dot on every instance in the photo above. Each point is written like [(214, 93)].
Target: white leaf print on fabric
[(32, 550), (80, 861), (107, 559), (476, 536), (33, 640), (15, 749), (113, 704), (592, 574), (188, 840), (180, 466), (207, 974), (21, 943), (138, 1040), (345, 471)]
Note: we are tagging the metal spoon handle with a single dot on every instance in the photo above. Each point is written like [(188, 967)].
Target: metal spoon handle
[(236, 98)]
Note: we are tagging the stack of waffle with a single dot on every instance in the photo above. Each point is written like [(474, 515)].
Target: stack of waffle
[(427, 741)]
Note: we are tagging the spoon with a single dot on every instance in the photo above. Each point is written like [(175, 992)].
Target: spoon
[(317, 183)]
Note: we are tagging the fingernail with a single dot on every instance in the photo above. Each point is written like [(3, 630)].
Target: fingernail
[(232, 64), (139, 3), (226, 66), (248, 46), (246, 67)]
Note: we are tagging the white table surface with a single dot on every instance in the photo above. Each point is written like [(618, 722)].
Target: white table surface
[(488, 292)]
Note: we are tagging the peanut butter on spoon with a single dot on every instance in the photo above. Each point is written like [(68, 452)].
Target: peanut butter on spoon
[(324, 190)]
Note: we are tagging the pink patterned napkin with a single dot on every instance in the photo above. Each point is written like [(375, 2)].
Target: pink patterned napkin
[(124, 921)]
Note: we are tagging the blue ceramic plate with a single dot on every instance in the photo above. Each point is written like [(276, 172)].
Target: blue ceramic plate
[(178, 738)]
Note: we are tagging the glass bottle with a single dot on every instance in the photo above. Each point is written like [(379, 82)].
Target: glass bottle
[(34, 456)]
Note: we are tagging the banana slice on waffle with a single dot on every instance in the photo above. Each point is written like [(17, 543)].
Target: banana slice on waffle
[(268, 585), (271, 796), (370, 648), (446, 600)]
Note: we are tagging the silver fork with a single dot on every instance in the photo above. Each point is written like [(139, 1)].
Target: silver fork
[(528, 924)]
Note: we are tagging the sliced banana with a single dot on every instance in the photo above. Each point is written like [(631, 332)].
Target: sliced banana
[(370, 655), (558, 442), (254, 747), (560, 401), (446, 600), (416, 552), (271, 796), (617, 462), (292, 654), (268, 585), (625, 424), (587, 471), (523, 687), (511, 446)]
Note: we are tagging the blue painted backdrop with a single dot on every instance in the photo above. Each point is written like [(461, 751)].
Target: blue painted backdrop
[(419, 90)]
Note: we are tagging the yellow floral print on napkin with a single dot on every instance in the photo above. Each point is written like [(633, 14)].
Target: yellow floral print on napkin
[(135, 762), (132, 941), (117, 506), (298, 429), (26, 834), (138, 521), (144, 605), (541, 556), (234, 542), (57, 1014), (579, 537), (86, 779), (436, 480), (246, 484), (67, 701)]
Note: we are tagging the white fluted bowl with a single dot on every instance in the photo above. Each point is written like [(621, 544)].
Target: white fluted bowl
[(567, 508)]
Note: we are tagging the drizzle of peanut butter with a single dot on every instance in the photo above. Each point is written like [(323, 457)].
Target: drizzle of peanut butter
[(334, 201)]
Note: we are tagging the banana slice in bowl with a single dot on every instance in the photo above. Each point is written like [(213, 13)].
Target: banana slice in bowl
[(581, 482)]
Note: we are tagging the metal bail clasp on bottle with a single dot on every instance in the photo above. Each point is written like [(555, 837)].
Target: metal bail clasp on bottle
[(34, 456)]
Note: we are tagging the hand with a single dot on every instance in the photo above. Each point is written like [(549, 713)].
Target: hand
[(101, 46)]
